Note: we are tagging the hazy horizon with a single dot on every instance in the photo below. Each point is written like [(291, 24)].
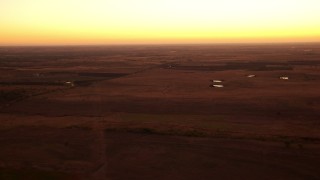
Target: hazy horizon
[(162, 44)]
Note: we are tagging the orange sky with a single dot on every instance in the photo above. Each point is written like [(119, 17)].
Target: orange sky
[(85, 22)]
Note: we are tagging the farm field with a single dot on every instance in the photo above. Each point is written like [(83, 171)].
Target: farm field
[(152, 112)]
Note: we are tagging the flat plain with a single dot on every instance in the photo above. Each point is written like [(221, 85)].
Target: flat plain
[(150, 112)]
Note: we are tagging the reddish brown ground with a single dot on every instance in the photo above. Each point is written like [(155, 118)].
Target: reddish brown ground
[(147, 112)]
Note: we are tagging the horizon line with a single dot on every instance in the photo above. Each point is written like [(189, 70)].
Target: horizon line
[(156, 44)]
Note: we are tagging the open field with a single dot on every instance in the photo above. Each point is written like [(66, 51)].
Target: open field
[(149, 112)]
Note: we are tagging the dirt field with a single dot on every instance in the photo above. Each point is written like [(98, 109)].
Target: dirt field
[(150, 112)]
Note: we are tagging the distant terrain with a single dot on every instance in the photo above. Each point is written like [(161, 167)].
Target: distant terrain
[(152, 112)]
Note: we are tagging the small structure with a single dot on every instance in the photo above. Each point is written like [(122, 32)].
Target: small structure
[(217, 81), (69, 83), (284, 78), (217, 85), (251, 76)]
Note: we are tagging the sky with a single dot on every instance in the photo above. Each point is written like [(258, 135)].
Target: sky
[(94, 22)]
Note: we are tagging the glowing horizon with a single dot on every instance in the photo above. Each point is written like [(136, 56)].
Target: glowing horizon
[(86, 22)]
